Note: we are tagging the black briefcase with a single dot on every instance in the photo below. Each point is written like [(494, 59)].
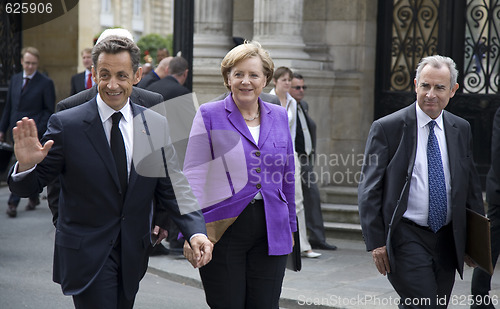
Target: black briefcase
[(6, 151)]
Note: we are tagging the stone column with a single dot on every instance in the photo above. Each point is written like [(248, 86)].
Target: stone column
[(213, 32), (213, 28), (277, 26)]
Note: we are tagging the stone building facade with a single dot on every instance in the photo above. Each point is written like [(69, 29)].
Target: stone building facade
[(330, 42)]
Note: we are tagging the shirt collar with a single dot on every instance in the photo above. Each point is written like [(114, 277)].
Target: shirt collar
[(105, 112), (28, 76), (423, 119)]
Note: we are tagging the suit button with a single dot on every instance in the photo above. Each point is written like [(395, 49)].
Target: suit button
[(257, 153), (258, 169), (123, 218), (258, 186), (111, 242)]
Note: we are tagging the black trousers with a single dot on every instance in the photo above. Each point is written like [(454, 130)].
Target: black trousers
[(481, 280), (106, 291), (425, 266), (241, 273), (312, 203)]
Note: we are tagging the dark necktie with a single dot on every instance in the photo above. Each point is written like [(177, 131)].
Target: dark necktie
[(27, 80), (118, 150), (437, 184)]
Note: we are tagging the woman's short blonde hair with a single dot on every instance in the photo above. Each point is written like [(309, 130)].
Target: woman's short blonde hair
[(245, 51)]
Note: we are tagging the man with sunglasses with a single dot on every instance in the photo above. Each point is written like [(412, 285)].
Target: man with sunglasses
[(305, 144)]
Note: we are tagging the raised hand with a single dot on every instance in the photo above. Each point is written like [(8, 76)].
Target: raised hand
[(27, 147)]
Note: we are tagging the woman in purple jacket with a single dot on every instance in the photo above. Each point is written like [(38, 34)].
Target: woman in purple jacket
[(240, 164)]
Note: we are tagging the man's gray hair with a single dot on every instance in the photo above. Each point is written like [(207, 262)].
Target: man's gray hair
[(437, 61), (115, 45), (178, 65)]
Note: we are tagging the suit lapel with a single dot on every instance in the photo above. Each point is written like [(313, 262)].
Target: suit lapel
[(17, 84), (410, 134), (236, 119), (266, 123), (136, 111), (451, 133), (95, 132)]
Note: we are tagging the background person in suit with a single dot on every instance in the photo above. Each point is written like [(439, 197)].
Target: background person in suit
[(104, 227), (159, 72), (306, 132), (418, 178), (282, 80), (31, 94), (83, 80), (171, 86), (481, 280), (250, 214)]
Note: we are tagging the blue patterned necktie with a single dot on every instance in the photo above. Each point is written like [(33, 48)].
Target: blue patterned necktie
[(437, 184)]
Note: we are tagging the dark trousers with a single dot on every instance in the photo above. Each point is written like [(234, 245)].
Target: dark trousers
[(241, 273), (106, 291), (312, 202), (425, 265), (15, 199), (481, 280)]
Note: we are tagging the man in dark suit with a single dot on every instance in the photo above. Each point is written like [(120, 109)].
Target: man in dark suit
[(418, 178), (106, 210), (171, 86), (83, 80), (160, 72), (139, 96), (31, 94), (305, 145), (481, 280)]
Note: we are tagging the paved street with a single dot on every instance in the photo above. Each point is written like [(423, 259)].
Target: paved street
[(26, 247), (345, 278)]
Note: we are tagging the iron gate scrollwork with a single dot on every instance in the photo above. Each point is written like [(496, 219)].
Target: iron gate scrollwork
[(414, 36), (482, 47)]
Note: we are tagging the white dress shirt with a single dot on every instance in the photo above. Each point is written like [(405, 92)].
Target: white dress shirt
[(418, 199), (126, 126)]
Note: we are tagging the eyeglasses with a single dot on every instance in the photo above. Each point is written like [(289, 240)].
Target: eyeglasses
[(299, 87)]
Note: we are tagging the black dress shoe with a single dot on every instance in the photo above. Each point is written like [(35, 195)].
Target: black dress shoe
[(159, 249), (12, 211), (32, 204), (323, 246)]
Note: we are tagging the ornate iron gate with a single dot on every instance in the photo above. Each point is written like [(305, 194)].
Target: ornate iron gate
[(467, 31)]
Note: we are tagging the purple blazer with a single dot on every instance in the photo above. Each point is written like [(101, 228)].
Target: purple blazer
[(226, 169)]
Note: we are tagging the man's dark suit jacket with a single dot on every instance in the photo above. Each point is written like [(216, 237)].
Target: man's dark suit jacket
[(311, 125), (77, 83), (168, 87), (93, 214), (147, 80), (139, 96), (387, 171), (35, 102)]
